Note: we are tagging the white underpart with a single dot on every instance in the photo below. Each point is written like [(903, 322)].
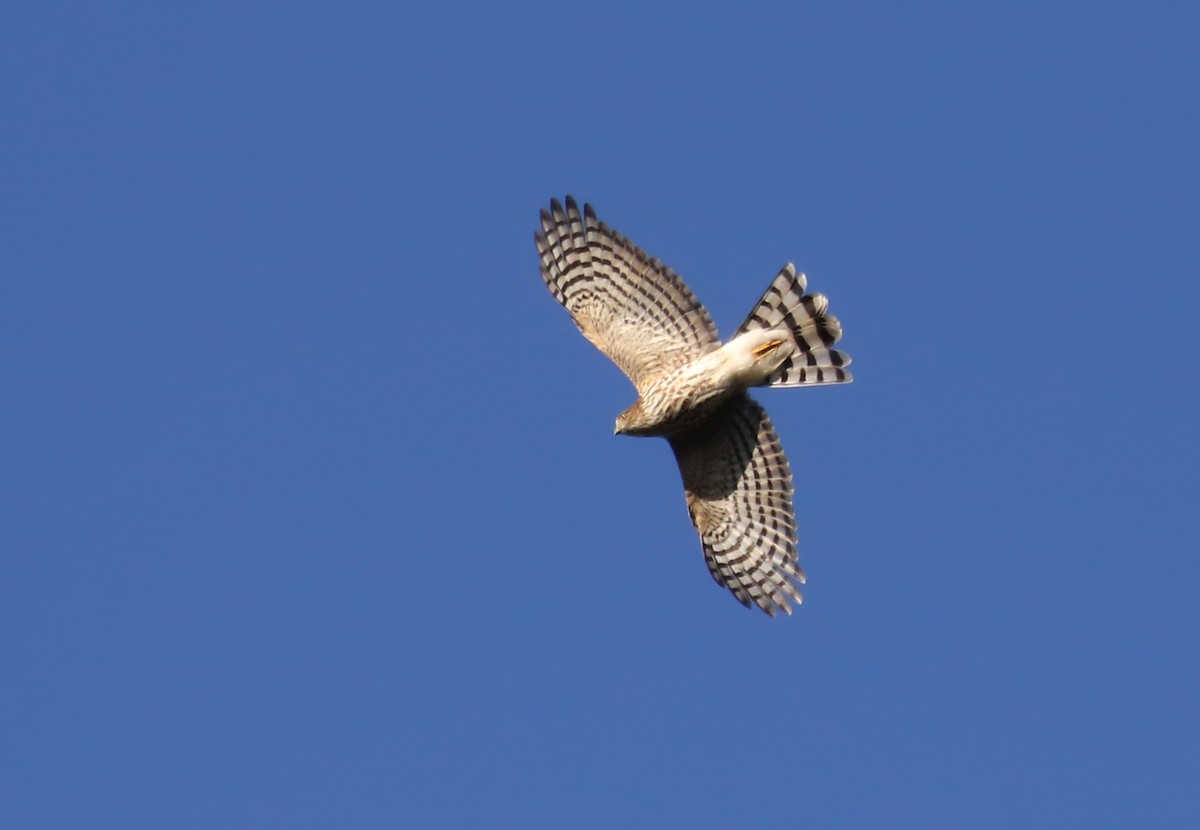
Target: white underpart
[(742, 368)]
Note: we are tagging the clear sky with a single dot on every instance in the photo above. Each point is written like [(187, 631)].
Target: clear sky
[(310, 510)]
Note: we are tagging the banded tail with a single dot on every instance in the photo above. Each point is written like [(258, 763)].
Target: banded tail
[(787, 307)]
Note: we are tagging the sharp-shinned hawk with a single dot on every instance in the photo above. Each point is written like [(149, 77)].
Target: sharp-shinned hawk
[(692, 389)]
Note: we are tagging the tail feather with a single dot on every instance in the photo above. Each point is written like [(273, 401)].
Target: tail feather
[(785, 306), (791, 375)]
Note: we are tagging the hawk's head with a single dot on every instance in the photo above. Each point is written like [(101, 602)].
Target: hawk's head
[(629, 420)]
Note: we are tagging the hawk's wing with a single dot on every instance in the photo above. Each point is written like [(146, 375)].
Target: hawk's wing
[(739, 494), (632, 307)]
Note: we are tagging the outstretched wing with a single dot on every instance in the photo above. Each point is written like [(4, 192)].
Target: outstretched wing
[(630, 306), (739, 494)]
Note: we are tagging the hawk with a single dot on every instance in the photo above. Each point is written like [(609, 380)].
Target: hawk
[(692, 389)]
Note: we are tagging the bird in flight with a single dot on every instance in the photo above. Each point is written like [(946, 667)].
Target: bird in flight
[(692, 389)]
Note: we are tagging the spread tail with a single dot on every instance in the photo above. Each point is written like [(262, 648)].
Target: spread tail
[(786, 307)]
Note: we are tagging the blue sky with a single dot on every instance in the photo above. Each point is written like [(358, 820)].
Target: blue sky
[(312, 514)]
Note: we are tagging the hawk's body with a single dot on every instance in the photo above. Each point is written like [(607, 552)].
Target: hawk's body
[(692, 389), (681, 398)]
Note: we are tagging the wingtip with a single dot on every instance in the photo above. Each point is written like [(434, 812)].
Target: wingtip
[(771, 606)]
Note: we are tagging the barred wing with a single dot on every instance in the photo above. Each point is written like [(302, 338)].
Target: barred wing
[(739, 494), (629, 305)]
